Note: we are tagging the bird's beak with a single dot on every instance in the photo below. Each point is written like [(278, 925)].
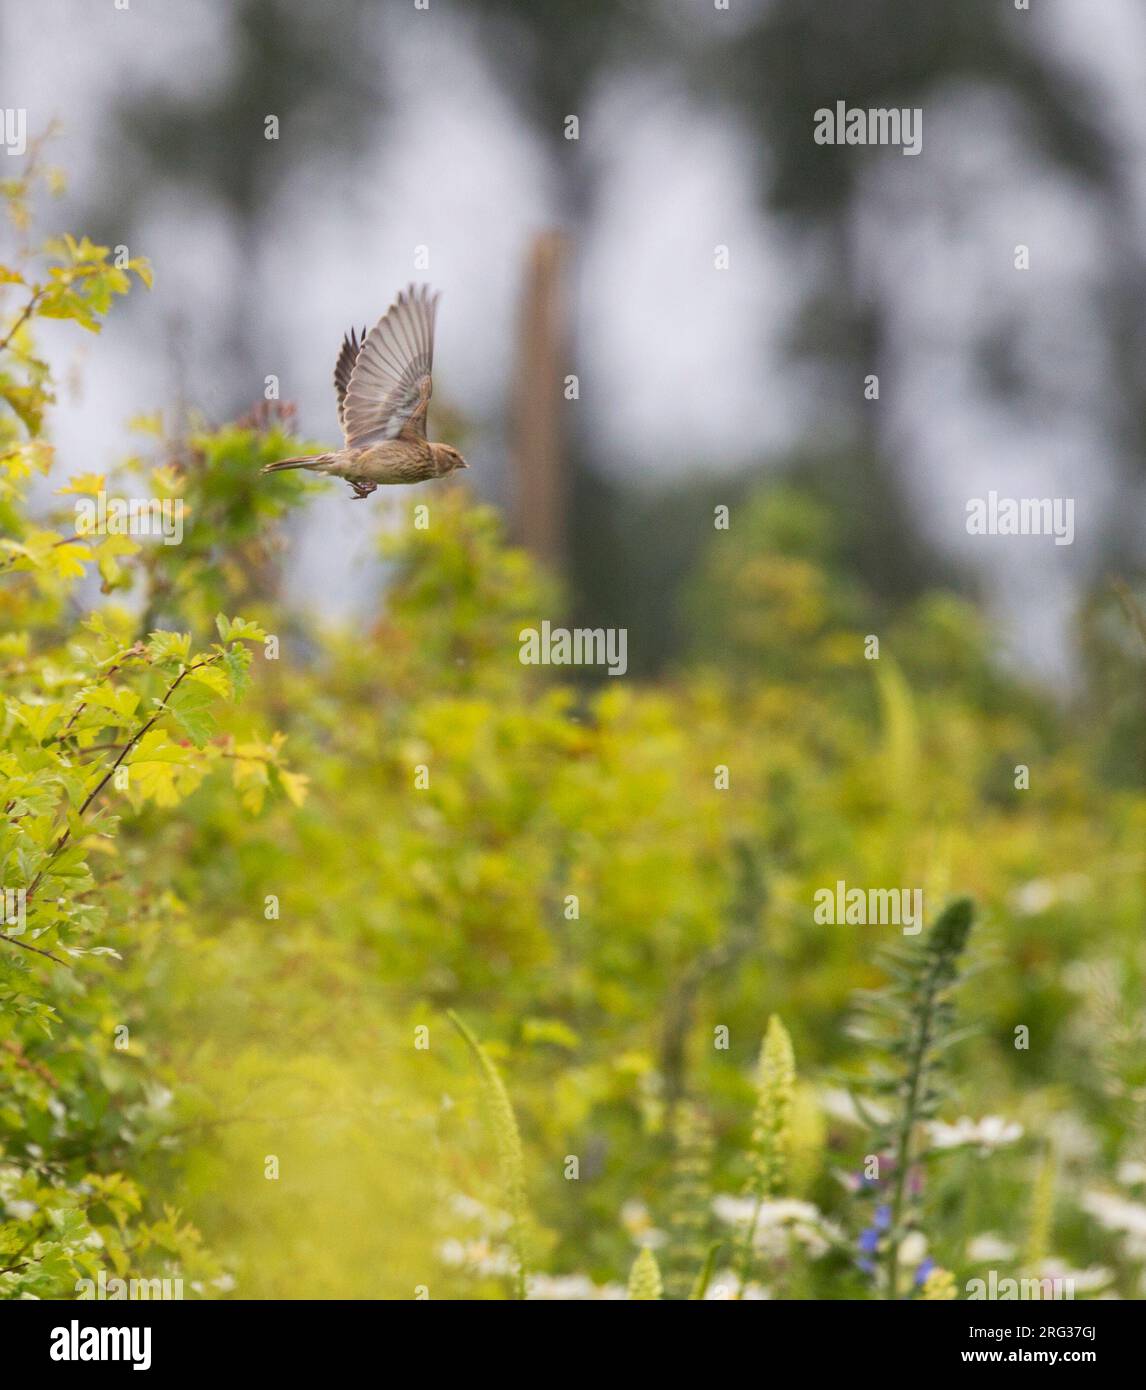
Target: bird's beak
[(464, 464)]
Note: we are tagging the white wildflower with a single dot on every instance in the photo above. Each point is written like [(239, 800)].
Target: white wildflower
[(725, 1284), (479, 1256), (637, 1220), (989, 1247), (1131, 1173), (567, 1288), (913, 1248), (452, 1253), (840, 1104), (492, 1220), (1116, 1213), (1034, 897), (570, 1288), (778, 1222), (1081, 1280), (991, 1132)]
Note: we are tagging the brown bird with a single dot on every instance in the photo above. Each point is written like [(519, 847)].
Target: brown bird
[(383, 383)]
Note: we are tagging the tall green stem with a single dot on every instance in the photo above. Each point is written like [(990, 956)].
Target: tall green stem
[(903, 1136)]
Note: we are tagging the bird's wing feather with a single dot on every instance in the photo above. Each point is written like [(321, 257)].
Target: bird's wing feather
[(348, 355), (389, 386)]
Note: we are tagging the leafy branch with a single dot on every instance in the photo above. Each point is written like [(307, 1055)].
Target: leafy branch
[(65, 837)]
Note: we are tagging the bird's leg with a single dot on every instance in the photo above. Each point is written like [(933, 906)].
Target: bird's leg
[(361, 490)]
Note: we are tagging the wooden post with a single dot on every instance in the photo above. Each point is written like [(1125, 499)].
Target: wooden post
[(538, 470)]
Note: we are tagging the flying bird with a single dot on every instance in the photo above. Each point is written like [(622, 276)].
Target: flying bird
[(383, 382)]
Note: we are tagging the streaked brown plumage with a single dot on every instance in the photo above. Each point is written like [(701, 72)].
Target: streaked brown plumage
[(383, 382)]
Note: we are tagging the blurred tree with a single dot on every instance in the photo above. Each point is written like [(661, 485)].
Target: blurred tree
[(774, 66), (796, 58), (777, 69), (540, 477), (309, 68), (565, 47)]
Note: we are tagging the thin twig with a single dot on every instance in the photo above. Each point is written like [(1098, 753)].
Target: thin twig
[(24, 946), (65, 838), (64, 540), (24, 315)]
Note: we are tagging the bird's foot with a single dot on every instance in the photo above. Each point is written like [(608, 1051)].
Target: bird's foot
[(362, 490)]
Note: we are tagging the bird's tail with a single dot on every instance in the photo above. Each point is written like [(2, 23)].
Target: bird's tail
[(312, 461)]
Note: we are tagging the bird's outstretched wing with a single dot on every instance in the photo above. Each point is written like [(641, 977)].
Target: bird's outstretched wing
[(388, 387), (348, 355)]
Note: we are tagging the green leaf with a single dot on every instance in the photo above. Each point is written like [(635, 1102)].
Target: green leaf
[(704, 1274), (238, 629), (237, 661), (508, 1141), (191, 706)]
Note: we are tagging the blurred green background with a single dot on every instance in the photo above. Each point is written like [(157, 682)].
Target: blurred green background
[(277, 959)]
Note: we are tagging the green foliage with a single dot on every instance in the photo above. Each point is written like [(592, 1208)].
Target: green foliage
[(101, 720), (775, 1091), (704, 1275), (242, 945), (645, 1278), (1040, 1227), (690, 1200)]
